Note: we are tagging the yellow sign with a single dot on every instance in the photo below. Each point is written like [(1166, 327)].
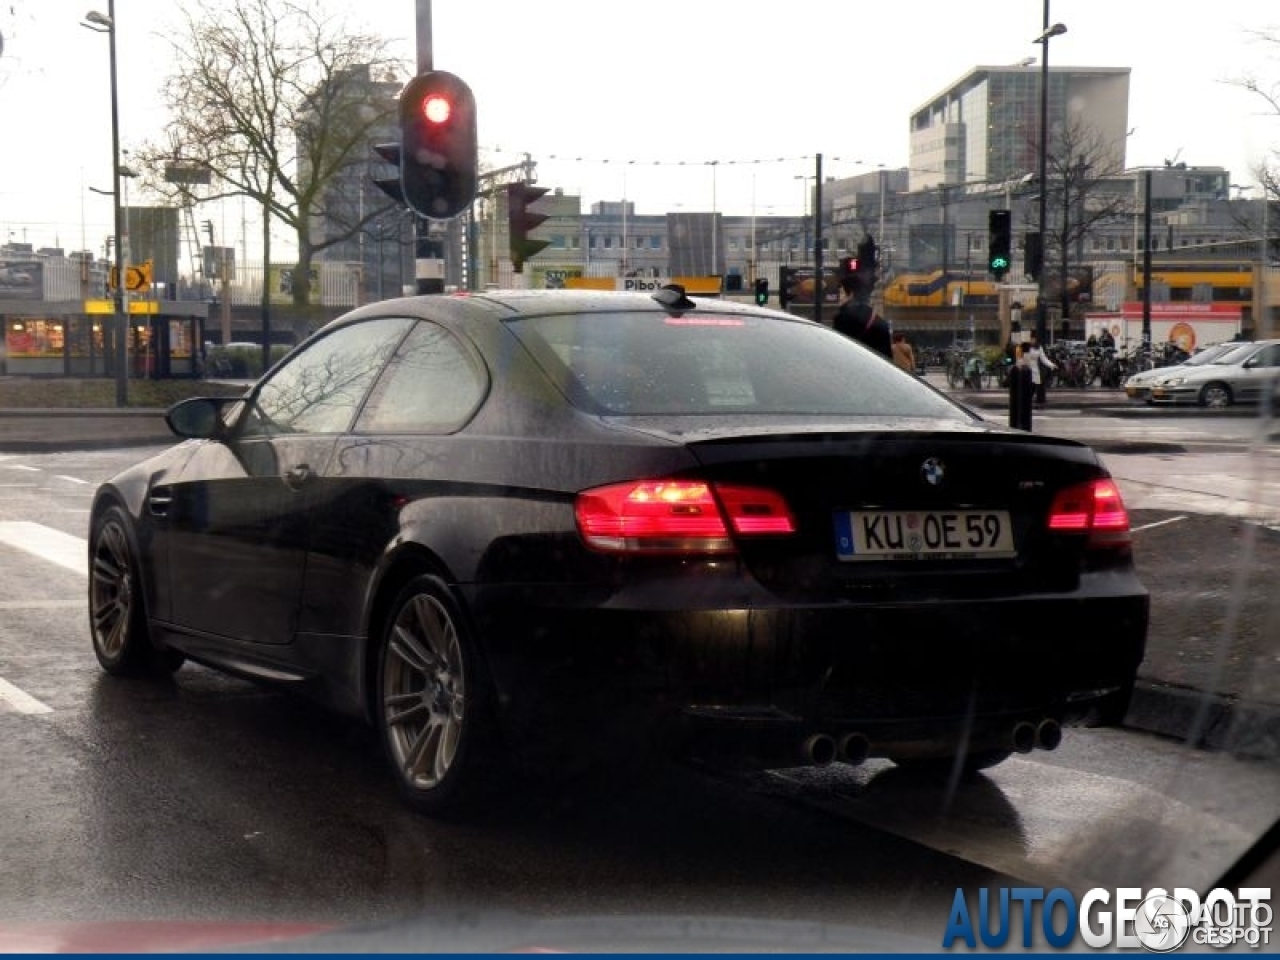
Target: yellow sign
[(135, 277), (696, 286), (106, 307)]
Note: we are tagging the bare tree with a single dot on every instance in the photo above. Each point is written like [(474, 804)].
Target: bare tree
[(1084, 194), (1082, 172), (1267, 171), (278, 103)]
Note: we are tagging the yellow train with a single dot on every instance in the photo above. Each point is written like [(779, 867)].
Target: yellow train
[(1217, 283), (1203, 282), (938, 289)]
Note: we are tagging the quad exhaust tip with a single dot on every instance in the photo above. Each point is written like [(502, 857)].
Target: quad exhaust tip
[(1048, 734), (1024, 737), (854, 748), (819, 749)]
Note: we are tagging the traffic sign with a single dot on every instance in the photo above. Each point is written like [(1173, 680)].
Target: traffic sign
[(136, 278)]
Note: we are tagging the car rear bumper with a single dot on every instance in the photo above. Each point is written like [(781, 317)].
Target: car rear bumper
[(912, 679)]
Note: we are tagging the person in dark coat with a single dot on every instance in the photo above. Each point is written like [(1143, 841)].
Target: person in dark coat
[(857, 319)]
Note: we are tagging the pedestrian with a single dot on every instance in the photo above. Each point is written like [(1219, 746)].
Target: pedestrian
[(858, 320), (903, 355), (1036, 360)]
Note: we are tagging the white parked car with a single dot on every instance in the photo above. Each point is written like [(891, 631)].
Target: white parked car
[(1138, 386), (1245, 374)]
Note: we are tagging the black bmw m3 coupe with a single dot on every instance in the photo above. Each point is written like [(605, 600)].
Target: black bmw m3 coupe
[(478, 519)]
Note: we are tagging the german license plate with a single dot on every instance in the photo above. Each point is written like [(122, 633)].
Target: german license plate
[(918, 534)]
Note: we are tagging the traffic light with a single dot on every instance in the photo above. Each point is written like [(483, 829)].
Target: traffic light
[(999, 242), (391, 186), (762, 292), (520, 220), (438, 153), (1034, 255)]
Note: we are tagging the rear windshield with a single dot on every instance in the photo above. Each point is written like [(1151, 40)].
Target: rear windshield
[(643, 363)]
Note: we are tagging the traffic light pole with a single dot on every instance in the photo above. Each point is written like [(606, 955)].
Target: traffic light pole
[(429, 259), (428, 255), (819, 282)]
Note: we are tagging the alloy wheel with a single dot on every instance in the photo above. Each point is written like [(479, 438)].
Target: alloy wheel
[(424, 686)]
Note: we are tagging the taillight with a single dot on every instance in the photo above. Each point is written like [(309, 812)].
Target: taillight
[(1095, 508), (677, 516)]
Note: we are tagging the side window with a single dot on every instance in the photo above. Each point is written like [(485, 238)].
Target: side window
[(320, 389), (1269, 357), (432, 385)]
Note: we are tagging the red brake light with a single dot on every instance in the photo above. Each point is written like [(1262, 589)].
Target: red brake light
[(1094, 507), (676, 516), (755, 510)]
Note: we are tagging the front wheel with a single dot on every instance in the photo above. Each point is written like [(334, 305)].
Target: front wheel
[(117, 617), (432, 712), (1215, 395)]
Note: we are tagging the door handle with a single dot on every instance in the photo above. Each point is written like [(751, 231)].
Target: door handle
[(295, 477)]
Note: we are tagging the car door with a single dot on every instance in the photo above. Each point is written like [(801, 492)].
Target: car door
[(405, 443), (1258, 373), (238, 518)]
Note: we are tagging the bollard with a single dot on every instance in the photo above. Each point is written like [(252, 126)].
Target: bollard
[(1021, 394)]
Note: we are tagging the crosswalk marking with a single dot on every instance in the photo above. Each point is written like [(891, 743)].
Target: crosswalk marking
[(47, 543), (19, 701)]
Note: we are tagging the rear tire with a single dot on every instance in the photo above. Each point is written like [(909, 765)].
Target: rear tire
[(433, 709)]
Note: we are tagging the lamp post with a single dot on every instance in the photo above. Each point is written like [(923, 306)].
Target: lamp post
[(1057, 30), (107, 24)]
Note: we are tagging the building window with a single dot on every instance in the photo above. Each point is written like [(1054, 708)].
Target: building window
[(655, 243), (557, 242)]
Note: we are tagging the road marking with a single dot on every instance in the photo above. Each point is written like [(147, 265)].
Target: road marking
[(62, 476), (41, 604), (19, 700), (47, 543), (1158, 523), (20, 466)]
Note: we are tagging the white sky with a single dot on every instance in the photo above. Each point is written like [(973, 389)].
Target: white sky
[(622, 85)]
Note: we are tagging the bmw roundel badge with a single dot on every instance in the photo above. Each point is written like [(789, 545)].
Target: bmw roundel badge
[(933, 472)]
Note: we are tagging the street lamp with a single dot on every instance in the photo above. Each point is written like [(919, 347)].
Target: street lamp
[(1057, 30), (101, 23)]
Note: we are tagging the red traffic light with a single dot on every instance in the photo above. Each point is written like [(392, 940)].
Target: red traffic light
[(437, 109), (438, 152)]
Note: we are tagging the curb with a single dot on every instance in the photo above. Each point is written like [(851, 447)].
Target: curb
[(21, 413), (1205, 720), (68, 445)]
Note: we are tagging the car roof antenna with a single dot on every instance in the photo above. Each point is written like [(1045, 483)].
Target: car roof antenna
[(672, 296)]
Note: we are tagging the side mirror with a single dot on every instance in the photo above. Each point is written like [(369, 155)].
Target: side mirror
[(199, 418)]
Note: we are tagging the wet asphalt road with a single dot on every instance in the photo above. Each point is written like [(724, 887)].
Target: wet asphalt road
[(205, 798)]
